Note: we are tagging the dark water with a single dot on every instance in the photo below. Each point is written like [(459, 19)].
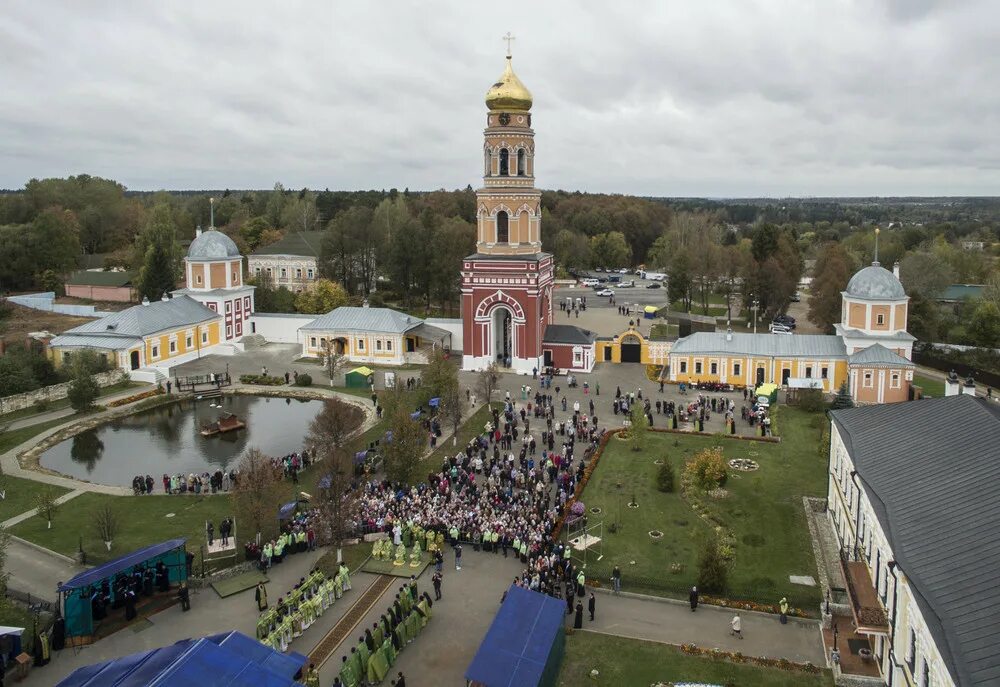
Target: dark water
[(167, 439)]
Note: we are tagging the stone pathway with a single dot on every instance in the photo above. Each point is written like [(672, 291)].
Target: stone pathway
[(10, 522)]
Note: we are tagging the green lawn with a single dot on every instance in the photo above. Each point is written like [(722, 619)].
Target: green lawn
[(354, 555), (931, 387), (64, 402), (763, 510), (16, 437), (20, 495), (623, 662), (143, 521)]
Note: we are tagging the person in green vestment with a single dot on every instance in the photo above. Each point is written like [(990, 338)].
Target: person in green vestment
[(263, 626), (413, 625), (349, 674), (407, 537), (355, 660), (345, 577), (377, 634), (312, 676), (365, 653), (424, 610), (389, 651), (378, 666)]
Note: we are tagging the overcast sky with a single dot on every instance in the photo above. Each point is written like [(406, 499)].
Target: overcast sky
[(711, 98)]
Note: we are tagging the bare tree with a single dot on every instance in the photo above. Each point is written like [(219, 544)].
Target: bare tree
[(255, 495), (333, 361), (452, 406), (334, 424), (106, 524), (338, 501), (403, 453), (488, 380), (47, 506)]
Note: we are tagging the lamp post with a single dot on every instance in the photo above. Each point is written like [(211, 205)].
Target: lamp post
[(755, 306), (211, 213)]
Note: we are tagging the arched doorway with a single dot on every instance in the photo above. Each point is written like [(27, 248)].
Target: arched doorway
[(503, 348), (340, 346), (134, 360), (631, 349), (760, 376)]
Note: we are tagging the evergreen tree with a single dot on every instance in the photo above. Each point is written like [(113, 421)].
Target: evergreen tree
[(712, 571), (843, 398), (159, 266), (665, 477), (83, 390)]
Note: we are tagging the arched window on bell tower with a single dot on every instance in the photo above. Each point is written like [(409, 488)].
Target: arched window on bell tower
[(487, 163), (520, 162), (504, 162), (503, 228)]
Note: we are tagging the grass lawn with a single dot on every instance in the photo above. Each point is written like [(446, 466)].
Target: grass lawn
[(64, 402), (354, 555), (20, 495), (931, 387), (143, 521), (16, 437), (763, 510), (621, 661)]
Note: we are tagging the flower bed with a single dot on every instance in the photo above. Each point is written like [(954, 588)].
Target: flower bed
[(134, 397), (737, 657), (752, 606), (263, 380), (743, 464)]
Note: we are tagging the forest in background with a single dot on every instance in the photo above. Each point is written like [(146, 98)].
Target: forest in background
[(404, 247)]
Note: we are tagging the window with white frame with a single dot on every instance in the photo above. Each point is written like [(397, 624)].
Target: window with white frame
[(298, 273), (229, 307), (197, 279), (388, 344), (309, 273), (361, 344), (880, 318), (697, 367), (378, 344), (809, 372), (229, 331), (869, 379), (173, 345), (204, 336), (684, 367), (283, 272), (714, 367), (823, 372), (156, 351), (894, 380), (312, 341), (736, 369), (256, 270), (188, 341), (577, 357)]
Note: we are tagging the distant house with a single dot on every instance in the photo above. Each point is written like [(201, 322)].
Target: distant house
[(973, 245), (291, 262), (98, 285), (372, 335), (956, 293)]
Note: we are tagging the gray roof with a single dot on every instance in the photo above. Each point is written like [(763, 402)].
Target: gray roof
[(776, 345), (220, 292), (930, 469), (296, 243), (100, 278), (121, 329), (568, 334), (212, 245), (346, 318), (878, 355), (850, 331), (875, 283)]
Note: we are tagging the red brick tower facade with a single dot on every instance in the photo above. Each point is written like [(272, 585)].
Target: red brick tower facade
[(507, 283)]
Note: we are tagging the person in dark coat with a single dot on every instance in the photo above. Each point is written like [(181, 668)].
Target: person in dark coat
[(184, 596), (693, 598), (130, 605), (578, 621), (591, 605)]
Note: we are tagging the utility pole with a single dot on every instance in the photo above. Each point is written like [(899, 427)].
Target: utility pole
[(755, 306)]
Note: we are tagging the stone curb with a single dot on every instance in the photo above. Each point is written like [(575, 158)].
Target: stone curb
[(678, 602), (42, 549)]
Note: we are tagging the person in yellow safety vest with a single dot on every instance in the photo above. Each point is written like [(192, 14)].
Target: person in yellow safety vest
[(784, 610), (494, 539), (279, 547), (487, 539), (453, 533), (524, 552)]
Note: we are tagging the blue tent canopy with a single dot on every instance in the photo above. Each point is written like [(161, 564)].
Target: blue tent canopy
[(524, 645), (415, 415), (226, 660), (122, 563), (434, 402), (287, 510)]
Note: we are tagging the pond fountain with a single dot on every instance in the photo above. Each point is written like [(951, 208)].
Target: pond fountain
[(168, 439)]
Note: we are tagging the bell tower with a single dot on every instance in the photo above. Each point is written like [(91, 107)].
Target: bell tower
[(507, 283)]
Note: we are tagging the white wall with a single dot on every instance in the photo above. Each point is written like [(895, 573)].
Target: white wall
[(452, 325), (279, 327)]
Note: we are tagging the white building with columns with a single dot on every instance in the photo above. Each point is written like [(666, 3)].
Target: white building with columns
[(912, 496)]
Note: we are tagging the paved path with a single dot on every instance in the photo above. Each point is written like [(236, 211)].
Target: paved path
[(674, 623), (35, 570), (68, 412)]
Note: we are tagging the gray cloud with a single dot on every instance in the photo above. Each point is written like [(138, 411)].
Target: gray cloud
[(855, 97)]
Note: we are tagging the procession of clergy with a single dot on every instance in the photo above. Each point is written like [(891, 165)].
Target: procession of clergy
[(299, 609)]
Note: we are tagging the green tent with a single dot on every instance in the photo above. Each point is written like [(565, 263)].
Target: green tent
[(359, 377)]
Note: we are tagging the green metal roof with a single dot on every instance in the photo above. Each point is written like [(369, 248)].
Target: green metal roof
[(101, 278)]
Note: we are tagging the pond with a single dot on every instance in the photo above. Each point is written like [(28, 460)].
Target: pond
[(168, 440)]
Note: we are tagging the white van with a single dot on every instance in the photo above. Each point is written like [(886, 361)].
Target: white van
[(589, 282)]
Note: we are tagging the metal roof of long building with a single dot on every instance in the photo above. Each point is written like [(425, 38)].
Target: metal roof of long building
[(765, 345), (295, 244), (354, 319), (118, 329), (930, 470)]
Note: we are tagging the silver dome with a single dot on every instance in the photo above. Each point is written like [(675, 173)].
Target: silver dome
[(875, 283), (212, 245)]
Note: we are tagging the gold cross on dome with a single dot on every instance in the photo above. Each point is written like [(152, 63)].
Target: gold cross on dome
[(508, 38)]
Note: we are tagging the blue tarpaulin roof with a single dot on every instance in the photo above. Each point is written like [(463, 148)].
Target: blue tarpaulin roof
[(518, 644), (287, 510), (226, 660), (129, 560)]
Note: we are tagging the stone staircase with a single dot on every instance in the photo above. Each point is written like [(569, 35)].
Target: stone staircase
[(253, 341)]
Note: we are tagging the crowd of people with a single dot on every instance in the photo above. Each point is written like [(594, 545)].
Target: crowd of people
[(296, 611)]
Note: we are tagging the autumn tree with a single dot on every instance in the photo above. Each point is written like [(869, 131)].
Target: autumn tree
[(611, 249), (320, 297), (487, 381), (830, 277), (404, 451), (256, 493), (333, 424)]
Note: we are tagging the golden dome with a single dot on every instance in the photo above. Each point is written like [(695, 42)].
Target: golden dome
[(508, 93)]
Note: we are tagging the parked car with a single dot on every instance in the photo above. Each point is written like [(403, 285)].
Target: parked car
[(623, 270), (796, 297), (784, 317), (626, 284), (589, 282), (654, 285), (780, 329), (605, 292)]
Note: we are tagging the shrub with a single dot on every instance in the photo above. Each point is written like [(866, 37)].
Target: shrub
[(665, 477), (42, 405), (708, 469), (811, 400), (262, 380), (712, 572), (843, 398), (83, 391), (304, 380)]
